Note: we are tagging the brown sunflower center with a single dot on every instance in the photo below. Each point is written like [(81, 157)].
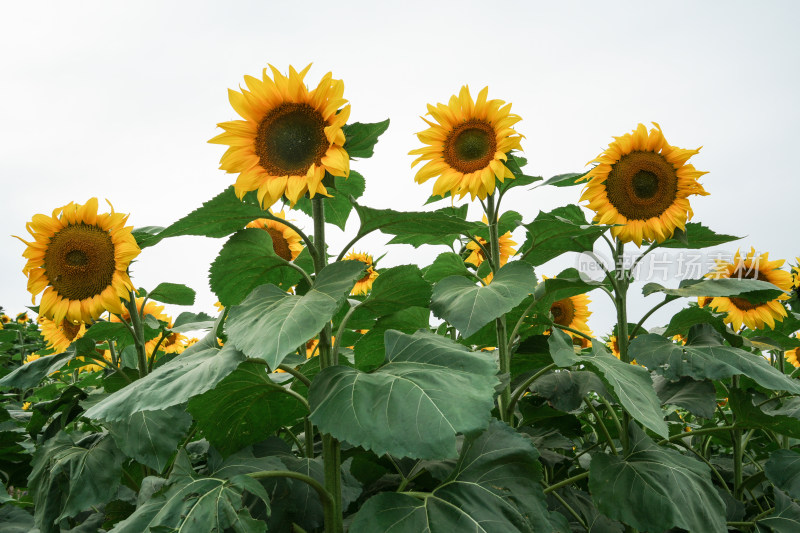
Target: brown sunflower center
[(280, 244), (470, 146), (79, 261), (70, 330), (290, 139), (642, 185), (563, 312), (745, 272)]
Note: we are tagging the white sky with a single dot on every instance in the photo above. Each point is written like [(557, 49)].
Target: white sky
[(118, 100)]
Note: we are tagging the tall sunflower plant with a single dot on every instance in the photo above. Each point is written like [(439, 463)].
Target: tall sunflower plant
[(329, 393)]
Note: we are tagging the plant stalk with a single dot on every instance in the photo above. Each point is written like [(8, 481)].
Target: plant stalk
[(138, 333), (504, 400)]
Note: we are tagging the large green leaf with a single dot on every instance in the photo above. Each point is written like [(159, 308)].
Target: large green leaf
[(429, 390), (655, 488), (697, 397), (674, 361), (494, 487), (630, 384), (783, 469), (195, 371), (173, 293), (370, 352), (246, 261), (271, 323), (151, 437), (750, 289), (784, 420), (563, 229), (442, 226), (394, 289), (564, 180), (244, 408), (469, 307), (696, 236), (446, 264), (29, 375), (70, 476), (15, 520), (566, 389), (361, 138), (786, 518)]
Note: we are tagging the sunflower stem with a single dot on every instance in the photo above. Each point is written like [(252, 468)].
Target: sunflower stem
[(138, 333), (331, 449), (504, 400), (738, 448), (621, 293)]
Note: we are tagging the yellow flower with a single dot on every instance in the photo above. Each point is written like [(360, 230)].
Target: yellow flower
[(289, 137), (740, 311), (791, 357), (477, 257), (219, 306), (26, 406), (79, 258), (286, 242), (467, 144), (5, 319), (174, 343), (613, 345), (363, 285), (573, 312), (60, 336), (30, 358), (796, 275), (22, 318), (644, 183)]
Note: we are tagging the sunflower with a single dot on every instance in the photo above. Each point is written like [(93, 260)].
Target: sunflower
[(572, 312), (5, 319), (792, 356), (22, 318), (26, 406), (79, 258), (477, 257), (796, 275), (467, 144), (289, 137), (642, 183), (286, 242), (613, 345), (60, 336), (174, 342), (363, 285), (740, 311)]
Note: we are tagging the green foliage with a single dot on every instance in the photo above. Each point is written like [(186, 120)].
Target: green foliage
[(360, 139), (172, 293), (563, 229), (151, 437)]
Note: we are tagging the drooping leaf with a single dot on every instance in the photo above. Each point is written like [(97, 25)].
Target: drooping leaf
[(187, 321), (195, 371), (697, 397), (563, 229), (783, 470), (566, 389), (173, 293), (361, 138), (151, 437), (429, 390), (784, 420), (271, 323), (469, 307), (394, 289), (564, 180), (695, 237), (655, 488), (68, 478), (753, 290), (706, 362), (29, 375), (244, 408), (446, 264), (246, 261), (493, 487), (442, 226)]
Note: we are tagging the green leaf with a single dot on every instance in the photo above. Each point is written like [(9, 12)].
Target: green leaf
[(270, 323), (706, 362), (494, 487), (195, 371), (561, 348), (15, 520), (68, 478), (361, 138), (567, 283), (566, 389), (683, 320), (109, 331), (340, 203), (563, 229), (564, 180), (173, 293), (146, 235), (29, 375), (786, 518), (446, 264), (695, 237), (244, 408), (246, 261), (753, 290), (442, 226), (783, 470), (697, 397), (394, 289), (370, 352), (656, 488), (187, 321), (515, 163), (469, 307), (151, 437), (430, 389), (784, 420)]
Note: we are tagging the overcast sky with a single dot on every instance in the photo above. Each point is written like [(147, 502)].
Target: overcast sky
[(118, 100)]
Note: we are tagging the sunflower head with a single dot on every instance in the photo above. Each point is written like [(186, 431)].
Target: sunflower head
[(289, 138), (80, 259), (613, 345), (60, 336), (642, 183), (286, 242), (792, 356), (466, 145), (22, 318), (573, 312), (363, 285), (5, 319), (740, 311)]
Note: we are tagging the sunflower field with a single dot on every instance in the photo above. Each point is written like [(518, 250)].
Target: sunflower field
[(325, 393)]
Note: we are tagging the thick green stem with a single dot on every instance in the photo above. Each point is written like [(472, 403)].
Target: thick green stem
[(138, 333), (564, 483), (324, 495), (602, 425), (504, 399), (331, 449), (621, 293), (738, 450)]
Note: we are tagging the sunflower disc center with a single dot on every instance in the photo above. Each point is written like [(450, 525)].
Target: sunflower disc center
[(70, 330), (290, 139), (470, 146), (745, 272), (563, 312), (80, 262), (642, 185), (279, 244)]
